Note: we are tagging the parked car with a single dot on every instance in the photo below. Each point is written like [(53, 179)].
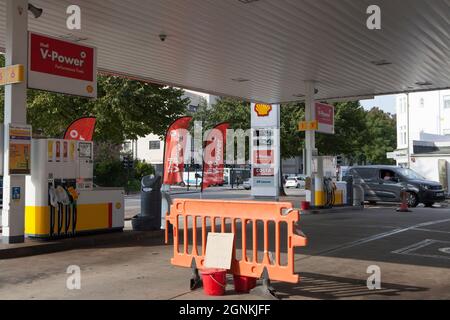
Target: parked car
[(248, 184), (192, 179), (386, 183), (295, 182)]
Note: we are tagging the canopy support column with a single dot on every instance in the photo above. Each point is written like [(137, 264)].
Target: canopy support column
[(310, 115), (13, 215)]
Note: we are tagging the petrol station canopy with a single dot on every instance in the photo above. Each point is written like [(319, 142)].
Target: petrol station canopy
[(262, 50)]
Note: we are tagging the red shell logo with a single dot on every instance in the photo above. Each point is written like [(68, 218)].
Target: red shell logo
[(263, 110)]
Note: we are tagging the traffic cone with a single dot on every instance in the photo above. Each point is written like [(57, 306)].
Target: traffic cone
[(404, 206)]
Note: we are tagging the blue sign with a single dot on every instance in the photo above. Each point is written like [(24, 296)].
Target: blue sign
[(16, 193)]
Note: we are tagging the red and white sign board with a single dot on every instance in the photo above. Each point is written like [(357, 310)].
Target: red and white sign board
[(61, 66), (325, 118), (265, 149)]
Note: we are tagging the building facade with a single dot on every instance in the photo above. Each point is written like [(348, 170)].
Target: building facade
[(423, 134), (428, 118)]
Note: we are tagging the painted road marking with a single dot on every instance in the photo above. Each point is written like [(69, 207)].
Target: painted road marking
[(378, 237), (430, 230), (412, 249)]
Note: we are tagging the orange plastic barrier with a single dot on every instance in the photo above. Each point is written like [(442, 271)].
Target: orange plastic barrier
[(231, 212)]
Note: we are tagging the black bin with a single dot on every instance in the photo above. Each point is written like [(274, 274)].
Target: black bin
[(350, 183), (150, 217)]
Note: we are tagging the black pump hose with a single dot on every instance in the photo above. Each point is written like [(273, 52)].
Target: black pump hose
[(74, 218), (60, 218), (67, 209), (52, 221)]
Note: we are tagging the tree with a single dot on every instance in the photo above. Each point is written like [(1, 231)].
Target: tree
[(231, 110), (382, 136), (350, 132), (361, 136), (292, 141), (125, 109)]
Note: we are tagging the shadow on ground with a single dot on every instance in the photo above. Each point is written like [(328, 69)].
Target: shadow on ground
[(319, 286)]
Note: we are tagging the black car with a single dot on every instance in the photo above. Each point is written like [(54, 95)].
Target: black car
[(386, 183)]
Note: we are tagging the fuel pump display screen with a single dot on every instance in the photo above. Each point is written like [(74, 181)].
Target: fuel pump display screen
[(85, 151)]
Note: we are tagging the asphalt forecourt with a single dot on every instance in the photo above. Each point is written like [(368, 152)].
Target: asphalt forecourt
[(345, 253)]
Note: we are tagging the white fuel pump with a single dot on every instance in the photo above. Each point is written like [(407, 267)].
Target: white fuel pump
[(61, 198), (324, 192)]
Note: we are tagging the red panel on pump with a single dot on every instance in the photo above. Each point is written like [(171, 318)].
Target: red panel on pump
[(110, 211)]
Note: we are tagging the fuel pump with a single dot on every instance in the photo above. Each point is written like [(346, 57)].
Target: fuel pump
[(330, 192), (323, 192), (61, 187)]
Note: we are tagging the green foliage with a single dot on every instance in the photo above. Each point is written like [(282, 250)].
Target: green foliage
[(382, 133), (112, 173), (292, 141), (361, 136), (231, 110), (142, 169), (351, 132), (125, 109)]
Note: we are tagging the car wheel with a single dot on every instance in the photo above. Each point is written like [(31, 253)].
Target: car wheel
[(412, 199), (183, 185), (373, 203), (429, 205)]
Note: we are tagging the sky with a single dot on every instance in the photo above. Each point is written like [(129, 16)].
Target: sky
[(385, 103)]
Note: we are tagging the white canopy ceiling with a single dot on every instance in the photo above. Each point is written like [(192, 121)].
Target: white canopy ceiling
[(274, 44)]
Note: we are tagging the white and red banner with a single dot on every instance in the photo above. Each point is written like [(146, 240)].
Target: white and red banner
[(61, 66), (214, 156), (325, 118), (81, 130), (175, 151)]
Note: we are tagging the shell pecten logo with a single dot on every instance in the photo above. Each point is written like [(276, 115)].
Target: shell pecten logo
[(263, 110)]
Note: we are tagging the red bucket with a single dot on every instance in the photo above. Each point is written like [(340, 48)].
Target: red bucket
[(244, 284), (305, 205), (214, 281)]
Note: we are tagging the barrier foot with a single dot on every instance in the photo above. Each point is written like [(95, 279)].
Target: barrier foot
[(196, 280), (266, 289)]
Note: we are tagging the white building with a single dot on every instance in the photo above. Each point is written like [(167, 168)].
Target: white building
[(151, 148), (423, 134)]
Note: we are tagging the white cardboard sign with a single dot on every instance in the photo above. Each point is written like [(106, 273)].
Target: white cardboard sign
[(219, 251)]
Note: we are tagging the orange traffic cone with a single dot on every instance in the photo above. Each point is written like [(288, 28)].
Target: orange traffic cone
[(404, 206)]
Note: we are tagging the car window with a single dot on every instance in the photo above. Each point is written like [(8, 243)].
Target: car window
[(410, 174), (366, 173), (387, 175)]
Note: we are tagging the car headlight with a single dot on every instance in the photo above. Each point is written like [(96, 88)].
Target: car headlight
[(424, 186)]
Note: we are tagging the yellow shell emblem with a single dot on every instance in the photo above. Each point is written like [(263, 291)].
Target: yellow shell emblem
[(263, 110)]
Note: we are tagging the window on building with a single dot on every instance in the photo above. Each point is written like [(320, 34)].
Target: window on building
[(155, 145), (127, 146), (422, 103), (193, 108), (447, 102), (402, 105)]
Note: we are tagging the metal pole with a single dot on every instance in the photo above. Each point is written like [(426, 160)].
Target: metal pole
[(13, 218), (409, 130), (310, 115)]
